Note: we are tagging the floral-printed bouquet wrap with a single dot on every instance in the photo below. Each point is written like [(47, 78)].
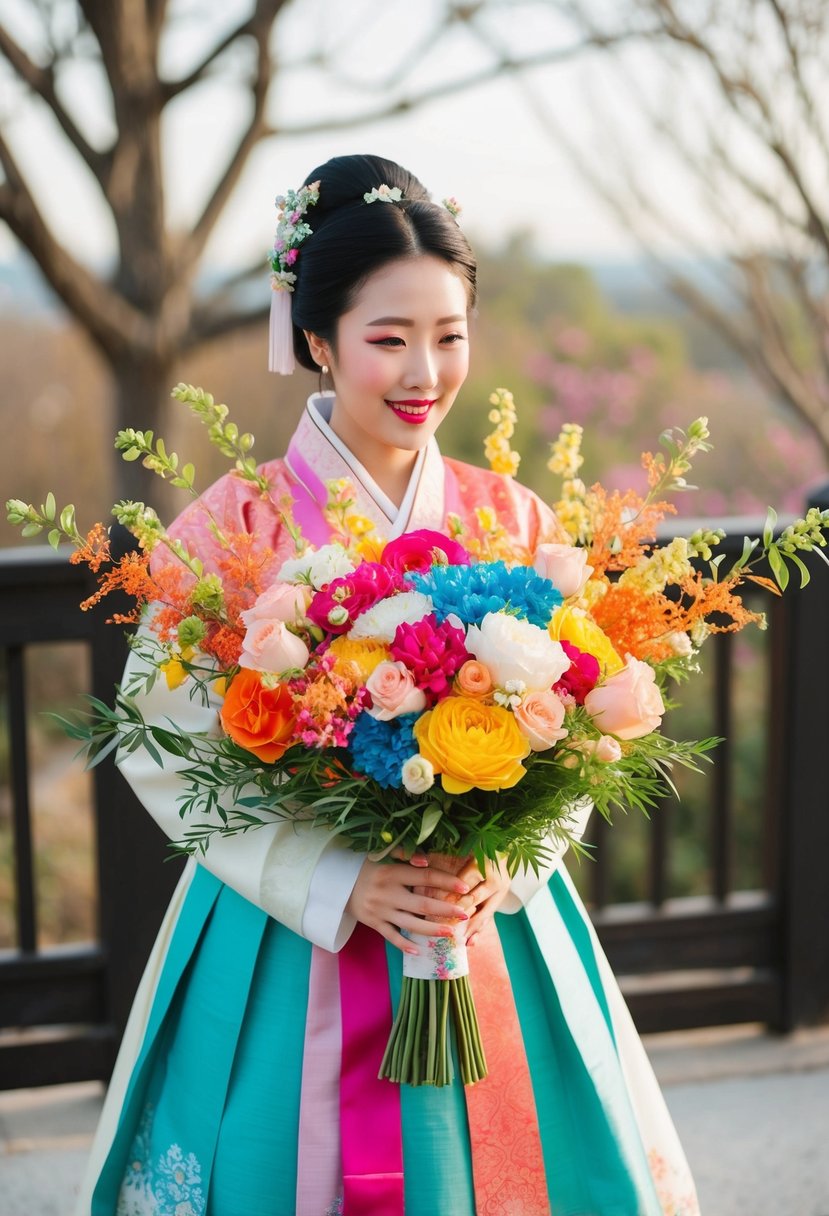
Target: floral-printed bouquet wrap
[(446, 692)]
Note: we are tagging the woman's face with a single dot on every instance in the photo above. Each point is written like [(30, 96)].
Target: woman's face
[(402, 355)]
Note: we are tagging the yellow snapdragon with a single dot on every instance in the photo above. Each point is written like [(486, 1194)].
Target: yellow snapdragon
[(501, 457), (670, 564), (566, 458)]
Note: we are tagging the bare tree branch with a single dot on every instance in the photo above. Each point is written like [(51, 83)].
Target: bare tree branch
[(110, 320), (208, 325), (810, 111), (42, 82), (255, 131), (506, 65), (769, 322), (172, 88)]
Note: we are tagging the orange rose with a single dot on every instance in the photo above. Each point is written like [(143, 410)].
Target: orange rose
[(258, 718), (473, 680)]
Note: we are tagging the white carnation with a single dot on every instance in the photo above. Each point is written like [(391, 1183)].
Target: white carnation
[(317, 566), (512, 649), (381, 620)]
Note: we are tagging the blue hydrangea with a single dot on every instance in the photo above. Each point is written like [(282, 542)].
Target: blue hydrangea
[(380, 749), (473, 591)]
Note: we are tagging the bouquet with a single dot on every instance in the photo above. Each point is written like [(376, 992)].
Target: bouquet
[(441, 691)]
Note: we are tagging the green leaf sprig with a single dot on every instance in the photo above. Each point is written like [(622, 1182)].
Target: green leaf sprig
[(224, 435), (61, 525)]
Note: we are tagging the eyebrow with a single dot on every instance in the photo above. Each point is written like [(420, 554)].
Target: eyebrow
[(407, 321)]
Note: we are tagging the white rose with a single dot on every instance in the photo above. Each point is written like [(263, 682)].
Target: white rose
[(513, 649), (381, 620), (317, 566), (418, 775)]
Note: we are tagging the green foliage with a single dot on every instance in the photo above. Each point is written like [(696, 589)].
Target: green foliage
[(226, 790)]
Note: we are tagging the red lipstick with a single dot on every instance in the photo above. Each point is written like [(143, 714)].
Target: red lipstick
[(413, 410)]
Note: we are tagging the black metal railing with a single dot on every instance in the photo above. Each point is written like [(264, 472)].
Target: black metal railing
[(726, 955), (63, 1008)]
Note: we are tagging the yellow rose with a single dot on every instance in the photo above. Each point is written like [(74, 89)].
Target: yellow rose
[(573, 625), (364, 655), (472, 745)]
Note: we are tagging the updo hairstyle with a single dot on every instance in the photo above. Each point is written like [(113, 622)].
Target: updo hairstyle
[(351, 239)]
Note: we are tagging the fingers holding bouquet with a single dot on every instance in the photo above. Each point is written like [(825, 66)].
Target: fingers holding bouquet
[(386, 899), (486, 891)]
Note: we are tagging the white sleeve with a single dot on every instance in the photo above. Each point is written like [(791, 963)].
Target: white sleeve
[(525, 884), (299, 874)]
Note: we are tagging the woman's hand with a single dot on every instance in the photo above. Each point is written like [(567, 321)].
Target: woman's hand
[(487, 892), (384, 898)]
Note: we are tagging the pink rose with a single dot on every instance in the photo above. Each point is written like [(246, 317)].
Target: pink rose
[(421, 550), (394, 692), (270, 646), (628, 704), (281, 602), (539, 718), (565, 566)]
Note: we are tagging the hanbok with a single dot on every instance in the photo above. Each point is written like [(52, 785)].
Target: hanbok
[(233, 1093)]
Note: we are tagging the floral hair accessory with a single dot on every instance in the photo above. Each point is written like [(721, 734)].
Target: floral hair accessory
[(291, 230), (384, 194), (452, 206)]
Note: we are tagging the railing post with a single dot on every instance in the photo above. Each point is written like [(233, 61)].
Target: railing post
[(804, 818)]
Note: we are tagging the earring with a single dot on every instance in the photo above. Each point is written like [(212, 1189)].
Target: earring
[(324, 369)]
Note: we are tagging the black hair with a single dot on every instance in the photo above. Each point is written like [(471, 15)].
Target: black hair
[(351, 240)]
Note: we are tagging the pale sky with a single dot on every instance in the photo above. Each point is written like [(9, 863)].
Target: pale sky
[(485, 146)]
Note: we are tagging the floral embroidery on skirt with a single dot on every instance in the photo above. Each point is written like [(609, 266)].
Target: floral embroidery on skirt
[(169, 1186)]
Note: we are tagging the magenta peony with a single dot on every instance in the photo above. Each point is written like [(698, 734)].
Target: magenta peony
[(433, 654), (582, 675)]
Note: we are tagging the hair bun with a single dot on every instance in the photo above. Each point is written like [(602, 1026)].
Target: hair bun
[(344, 180)]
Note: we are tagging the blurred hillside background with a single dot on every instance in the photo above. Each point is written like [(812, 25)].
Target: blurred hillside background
[(646, 183)]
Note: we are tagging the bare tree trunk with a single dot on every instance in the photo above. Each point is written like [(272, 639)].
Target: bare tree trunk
[(141, 390)]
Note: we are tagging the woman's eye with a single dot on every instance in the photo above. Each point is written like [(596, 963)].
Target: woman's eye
[(451, 339), (387, 342)]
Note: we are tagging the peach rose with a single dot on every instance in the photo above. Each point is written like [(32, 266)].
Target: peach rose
[(539, 718), (565, 566), (258, 718), (281, 602), (473, 679), (394, 692), (606, 750), (628, 704), (270, 646)]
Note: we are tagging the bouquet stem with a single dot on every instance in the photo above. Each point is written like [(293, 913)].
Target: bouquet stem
[(419, 1050)]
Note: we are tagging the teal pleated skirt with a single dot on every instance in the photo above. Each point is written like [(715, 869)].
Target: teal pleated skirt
[(209, 1121)]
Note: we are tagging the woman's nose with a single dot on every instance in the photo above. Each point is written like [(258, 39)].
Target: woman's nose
[(421, 370)]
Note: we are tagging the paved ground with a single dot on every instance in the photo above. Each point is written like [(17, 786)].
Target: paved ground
[(752, 1111)]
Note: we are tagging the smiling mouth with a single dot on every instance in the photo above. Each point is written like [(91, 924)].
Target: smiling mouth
[(411, 411)]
